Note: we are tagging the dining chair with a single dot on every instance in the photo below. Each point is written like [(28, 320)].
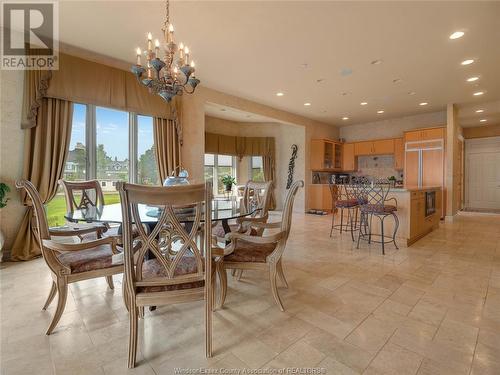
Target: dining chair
[(246, 252), (70, 262), (81, 195), (169, 266), (256, 197)]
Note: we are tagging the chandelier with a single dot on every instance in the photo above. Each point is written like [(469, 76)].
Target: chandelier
[(169, 71)]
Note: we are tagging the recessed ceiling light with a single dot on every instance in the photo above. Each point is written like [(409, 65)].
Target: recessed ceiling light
[(397, 80), (457, 34), (380, 112), (472, 79), (363, 103), (423, 103), (483, 120), (478, 93), (467, 62), (307, 104), (376, 62), (279, 94), (345, 118), (411, 93), (479, 110)]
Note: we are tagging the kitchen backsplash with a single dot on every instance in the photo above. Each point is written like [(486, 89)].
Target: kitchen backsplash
[(377, 167)]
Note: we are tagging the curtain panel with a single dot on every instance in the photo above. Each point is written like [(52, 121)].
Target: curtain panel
[(45, 149), (167, 146)]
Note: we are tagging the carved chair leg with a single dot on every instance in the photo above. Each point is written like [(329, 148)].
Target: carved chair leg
[(281, 274), (233, 272), (52, 294), (62, 292), (223, 283), (208, 319), (239, 274), (274, 288), (132, 340), (109, 280)]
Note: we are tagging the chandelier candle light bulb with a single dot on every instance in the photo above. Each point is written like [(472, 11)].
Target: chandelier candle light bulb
[(169, 71)]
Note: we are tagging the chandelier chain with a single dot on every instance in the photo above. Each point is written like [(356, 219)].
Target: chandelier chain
[(167, 15)]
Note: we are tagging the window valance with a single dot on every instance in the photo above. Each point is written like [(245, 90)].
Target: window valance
[(83, 81), (239, 146)]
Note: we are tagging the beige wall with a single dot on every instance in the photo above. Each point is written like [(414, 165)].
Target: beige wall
[(11, 150), (285, 136), (193, 112), (391, 128)]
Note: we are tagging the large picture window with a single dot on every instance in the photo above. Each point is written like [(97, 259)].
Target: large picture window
[(217, 166), (256, 169), (110, 146)]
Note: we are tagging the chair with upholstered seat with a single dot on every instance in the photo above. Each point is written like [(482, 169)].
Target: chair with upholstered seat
[(343, 199), (177, 269), (70, 262), (256, 196), (246, 252)]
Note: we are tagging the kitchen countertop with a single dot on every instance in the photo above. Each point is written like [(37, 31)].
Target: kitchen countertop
[(414, 188)]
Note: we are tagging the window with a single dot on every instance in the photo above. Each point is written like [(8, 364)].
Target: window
[(109, 145), (112, 146), (147, 170), (256, 169), (217, 166)]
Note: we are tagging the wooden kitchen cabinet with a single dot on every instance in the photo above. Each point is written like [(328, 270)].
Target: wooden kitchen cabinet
[(320, 197), (325, 155), (420, 224), (424, 134), (379, 147), (363, 148), (399, 154), (383, 147), (348, 157)]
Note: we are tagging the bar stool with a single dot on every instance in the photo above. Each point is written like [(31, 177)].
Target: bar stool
[(343, 198), (372, 199)]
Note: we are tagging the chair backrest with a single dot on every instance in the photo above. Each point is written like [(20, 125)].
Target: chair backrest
[(286, 219), (374, 193), (82, 194), (170, 241), (257, 195)]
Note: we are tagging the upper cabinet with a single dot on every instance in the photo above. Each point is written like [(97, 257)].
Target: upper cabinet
[(380, 147), (348, 158), (326, 155), (424, 134), (399, 154)]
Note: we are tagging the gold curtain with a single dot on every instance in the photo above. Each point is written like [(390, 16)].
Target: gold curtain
[(36, 83), (84, 81), (167, 146), (45, 150)]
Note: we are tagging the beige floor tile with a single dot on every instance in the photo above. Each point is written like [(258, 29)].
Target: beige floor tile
[(393, 359), (334, 367)]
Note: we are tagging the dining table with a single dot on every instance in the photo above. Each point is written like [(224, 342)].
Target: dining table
[(223, 210)]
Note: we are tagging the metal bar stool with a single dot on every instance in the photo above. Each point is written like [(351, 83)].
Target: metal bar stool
[(372, 199), (343, 198)]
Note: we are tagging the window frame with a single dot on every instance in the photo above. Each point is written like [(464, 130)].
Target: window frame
[(91, 143), (215, 180), (250, 166)]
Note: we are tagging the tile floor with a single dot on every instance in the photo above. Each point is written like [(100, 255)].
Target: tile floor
[(433, 308)]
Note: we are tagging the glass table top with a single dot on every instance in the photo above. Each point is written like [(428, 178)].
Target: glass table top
[(222, 209)]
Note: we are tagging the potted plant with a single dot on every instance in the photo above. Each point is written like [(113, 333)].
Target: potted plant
[(228, 182), (4, 189)]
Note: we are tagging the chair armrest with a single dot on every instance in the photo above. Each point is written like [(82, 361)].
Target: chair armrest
[(272, 238), (57, 246), (245, 220), (56, 232), (274, 225)]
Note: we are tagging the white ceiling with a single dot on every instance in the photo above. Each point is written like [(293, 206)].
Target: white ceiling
[(232, 114), (255, 49)]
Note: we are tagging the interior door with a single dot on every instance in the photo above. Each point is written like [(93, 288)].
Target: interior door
[(411, 168), (484, 180)]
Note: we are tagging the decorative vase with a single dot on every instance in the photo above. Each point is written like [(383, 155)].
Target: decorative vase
[(229, 187)]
